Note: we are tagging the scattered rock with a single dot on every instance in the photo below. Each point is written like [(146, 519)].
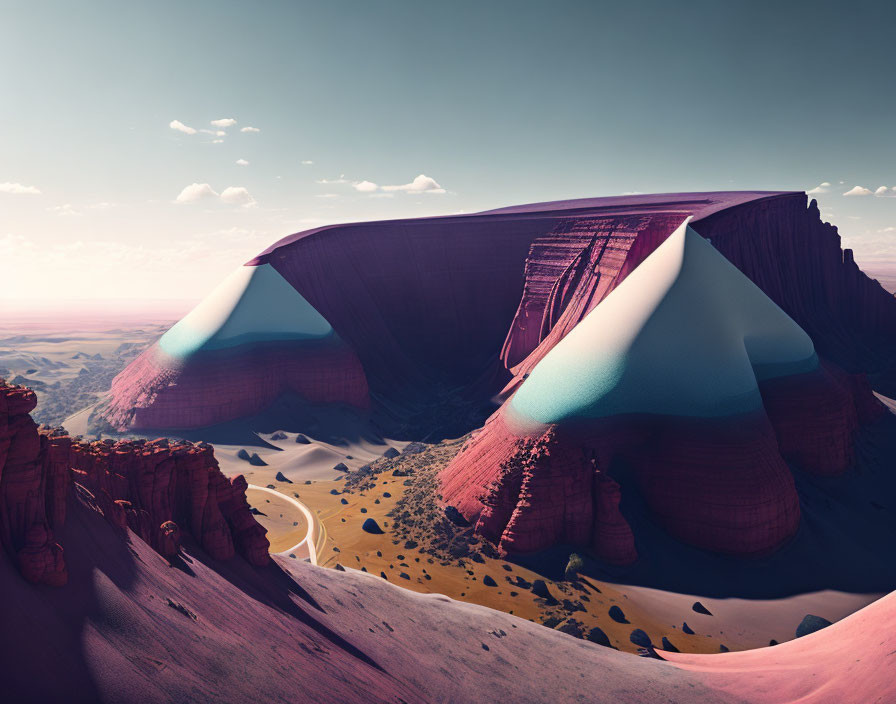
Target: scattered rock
[(539, 588), (640, 638), (616, 614), (339, 568), (685, 628), (371, 526), (488, 581), (279, 435), (343, 501), (255, 512), (667, 645), (773, 642), (391, 453), (723, 648), (701, 609), (413, 448), (243, 454), (256, 461), (302, 440), (456, 517), (404, 575), (280, 477), (596, 635), (572, 627), (810, 624)]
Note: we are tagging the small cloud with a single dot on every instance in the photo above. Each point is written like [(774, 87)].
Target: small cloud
[(181, 127), (858, 191), (66, 209), (421, 184), (823, 187), (220, 133), (224, 122), (217, 141), (888, 229), (330, 181), (196, 191), (249, 129), (18, 189), (307, 162), (881, 191), (237, 195), (365, 186), (242, 162)]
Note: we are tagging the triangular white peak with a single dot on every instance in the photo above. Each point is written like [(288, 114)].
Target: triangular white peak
[(686, 334), (253, 304)]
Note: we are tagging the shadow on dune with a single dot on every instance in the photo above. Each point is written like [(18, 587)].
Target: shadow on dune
[(39, 621), (447, 413), (844, 542)]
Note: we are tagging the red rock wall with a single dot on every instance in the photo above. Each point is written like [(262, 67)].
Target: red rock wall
[(157, 489), (719, 484), (31, 502), (528, 493), (156, 391)]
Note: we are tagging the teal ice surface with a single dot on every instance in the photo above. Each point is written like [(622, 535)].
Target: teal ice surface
[(685, 334), (253, 304)]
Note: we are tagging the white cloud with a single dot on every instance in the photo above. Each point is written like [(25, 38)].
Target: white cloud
[(341, 179), (365, 186), (858, 191), (224, 122), (307, 162), (217, 141), (888, 229), (66, 209), (196, 191), (181, 127), (881, 190), (237, 195), (249, 129), (232, 195), (18, 189), (421, 184), (822, 187), (242, 162)]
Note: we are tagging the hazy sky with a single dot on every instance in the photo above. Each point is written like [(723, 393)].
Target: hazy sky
[(148, 148)]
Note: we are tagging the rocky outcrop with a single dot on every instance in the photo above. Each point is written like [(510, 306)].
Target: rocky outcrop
[(32, 497), (161, 488), (157, 489)]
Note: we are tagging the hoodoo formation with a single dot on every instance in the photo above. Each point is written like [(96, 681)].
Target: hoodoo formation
[(522, 300), (159, 490)]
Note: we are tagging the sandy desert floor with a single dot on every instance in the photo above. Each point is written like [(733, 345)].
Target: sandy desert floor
[(576, 607)]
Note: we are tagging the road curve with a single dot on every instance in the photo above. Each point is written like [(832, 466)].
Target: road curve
[(308, 540)]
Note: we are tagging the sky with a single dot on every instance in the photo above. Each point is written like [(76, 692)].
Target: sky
[(147, 149)]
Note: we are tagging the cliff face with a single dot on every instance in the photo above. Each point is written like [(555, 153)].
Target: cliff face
[(689, 376), (157, 489)]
